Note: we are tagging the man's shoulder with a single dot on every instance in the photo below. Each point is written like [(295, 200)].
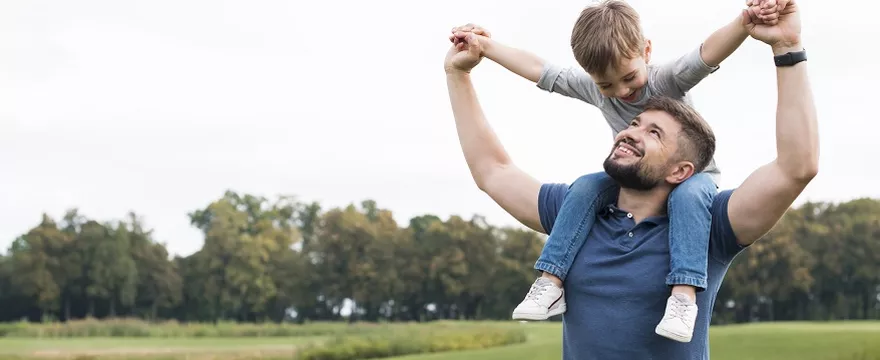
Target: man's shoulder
[(550, 199), (723, 244)]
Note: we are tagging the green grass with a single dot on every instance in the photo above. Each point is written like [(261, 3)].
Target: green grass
[(802, 341), (28, 345)]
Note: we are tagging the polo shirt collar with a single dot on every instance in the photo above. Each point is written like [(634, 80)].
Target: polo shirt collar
[(613, 210)]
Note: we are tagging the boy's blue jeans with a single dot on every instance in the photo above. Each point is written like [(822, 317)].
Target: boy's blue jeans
[(689, 224)]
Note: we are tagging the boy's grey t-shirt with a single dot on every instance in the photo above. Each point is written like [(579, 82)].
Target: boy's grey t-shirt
[(673, 79)]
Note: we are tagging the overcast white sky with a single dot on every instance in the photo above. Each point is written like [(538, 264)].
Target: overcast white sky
[(160, 106)]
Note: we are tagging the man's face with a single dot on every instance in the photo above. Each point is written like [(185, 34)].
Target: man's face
[(644, 154), (626, 79)]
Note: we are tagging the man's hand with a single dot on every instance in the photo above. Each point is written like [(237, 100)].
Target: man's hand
[(785, 34), (465, 53)]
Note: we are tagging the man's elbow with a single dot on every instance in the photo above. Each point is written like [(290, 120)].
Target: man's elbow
[(809, 172), (805, 170), (487, 177)]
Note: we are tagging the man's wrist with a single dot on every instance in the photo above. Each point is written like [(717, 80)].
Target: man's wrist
[(786, 48), (455, 74)]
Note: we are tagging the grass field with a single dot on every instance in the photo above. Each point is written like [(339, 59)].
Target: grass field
[(802, 341), (805, 341)]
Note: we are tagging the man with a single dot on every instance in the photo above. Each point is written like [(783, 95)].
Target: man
[(613, 291)]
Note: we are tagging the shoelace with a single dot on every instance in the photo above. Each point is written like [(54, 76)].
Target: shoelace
[(536, 291), (679, 310)]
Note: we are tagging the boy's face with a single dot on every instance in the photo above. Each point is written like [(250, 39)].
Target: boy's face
[(625, 80)]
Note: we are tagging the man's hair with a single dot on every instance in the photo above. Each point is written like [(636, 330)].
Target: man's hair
[(606, 33), (696, 141)]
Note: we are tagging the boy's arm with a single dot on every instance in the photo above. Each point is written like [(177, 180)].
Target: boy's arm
[(567, 81), (680, 76), (723, 42), (518, 61)]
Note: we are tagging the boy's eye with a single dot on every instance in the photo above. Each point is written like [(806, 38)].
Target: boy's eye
[(631, 78), (604, 86)]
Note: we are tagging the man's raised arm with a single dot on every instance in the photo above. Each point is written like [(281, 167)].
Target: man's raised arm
[(489, 163), (756, 206)]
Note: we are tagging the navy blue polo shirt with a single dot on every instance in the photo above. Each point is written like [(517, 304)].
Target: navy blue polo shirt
[(616, 289)]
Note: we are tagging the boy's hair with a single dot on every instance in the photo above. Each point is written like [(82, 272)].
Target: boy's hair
[(606, 33), (696, 141)]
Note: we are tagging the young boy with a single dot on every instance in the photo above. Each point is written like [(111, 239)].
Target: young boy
[(608, 43)]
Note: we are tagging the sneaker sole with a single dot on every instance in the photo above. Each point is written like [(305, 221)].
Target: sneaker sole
[(673, 336), (539, 317)]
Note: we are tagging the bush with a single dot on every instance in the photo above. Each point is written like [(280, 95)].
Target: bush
[(140, 328), (413, 339)]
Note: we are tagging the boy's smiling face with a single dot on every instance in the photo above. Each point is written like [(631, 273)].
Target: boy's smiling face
[(626, 79)]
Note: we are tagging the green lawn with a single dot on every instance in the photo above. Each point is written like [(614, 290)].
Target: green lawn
[(802, 341), (34, 346)]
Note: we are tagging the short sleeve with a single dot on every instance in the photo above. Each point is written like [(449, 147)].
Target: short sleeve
[(676, 78), (723, 245), (549, 202), (571, 82)]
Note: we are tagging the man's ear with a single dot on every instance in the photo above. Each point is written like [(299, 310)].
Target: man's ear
[(681, 171)]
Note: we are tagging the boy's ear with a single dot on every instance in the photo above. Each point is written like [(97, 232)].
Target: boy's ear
[(647, 54)]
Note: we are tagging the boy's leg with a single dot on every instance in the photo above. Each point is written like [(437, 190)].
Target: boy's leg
[(690, 220), (576, 217)]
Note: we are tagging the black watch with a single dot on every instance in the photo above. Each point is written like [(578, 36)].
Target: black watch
[(790, 58)]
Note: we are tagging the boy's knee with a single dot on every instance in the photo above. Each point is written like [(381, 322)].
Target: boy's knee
[(698, 187), (594, 182)]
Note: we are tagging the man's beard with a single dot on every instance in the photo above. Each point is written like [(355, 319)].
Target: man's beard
[(630, 176)]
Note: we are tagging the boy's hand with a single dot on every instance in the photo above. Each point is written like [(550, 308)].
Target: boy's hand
[(765, 12)]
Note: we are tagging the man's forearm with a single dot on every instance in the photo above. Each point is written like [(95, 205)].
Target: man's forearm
[(797, 130), (520, 62), (723, 42), (482, 149)]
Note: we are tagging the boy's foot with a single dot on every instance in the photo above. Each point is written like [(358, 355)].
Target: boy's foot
[(678, 322), (543, 301)]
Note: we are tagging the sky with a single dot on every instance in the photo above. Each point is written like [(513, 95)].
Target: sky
[(161, 106)]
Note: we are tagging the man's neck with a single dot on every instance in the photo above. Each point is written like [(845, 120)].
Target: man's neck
[(644, 204)]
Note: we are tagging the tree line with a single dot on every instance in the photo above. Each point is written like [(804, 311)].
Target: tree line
[(285, 260)]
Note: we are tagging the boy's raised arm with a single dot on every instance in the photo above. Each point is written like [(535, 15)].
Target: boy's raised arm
[(567, 81), (680, 76), (520, 62), (723, 42)]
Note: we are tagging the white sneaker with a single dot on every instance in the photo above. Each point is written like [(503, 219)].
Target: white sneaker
[(678, 322), (543, 301)]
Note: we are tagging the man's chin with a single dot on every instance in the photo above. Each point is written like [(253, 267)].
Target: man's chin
[(627, 175), (622, 161)]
